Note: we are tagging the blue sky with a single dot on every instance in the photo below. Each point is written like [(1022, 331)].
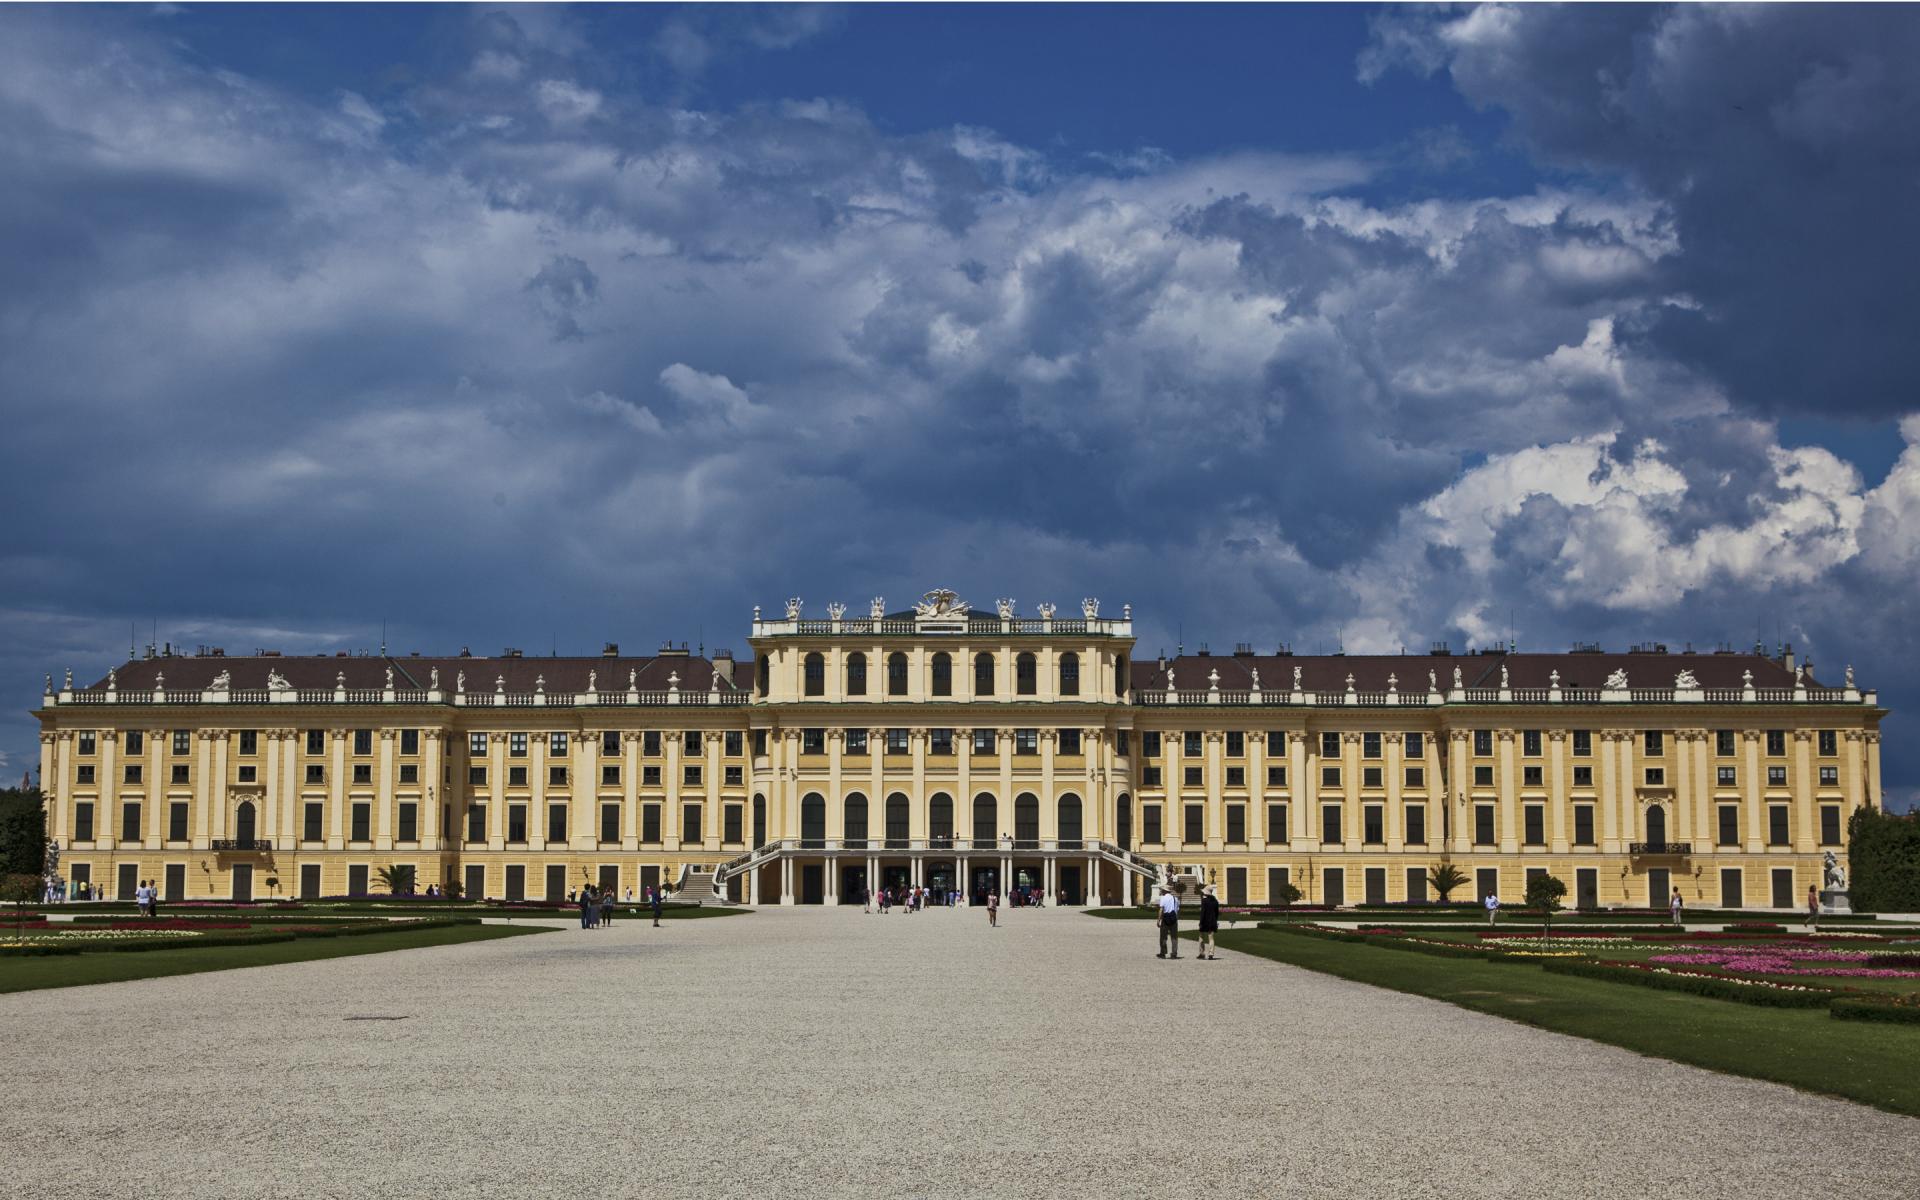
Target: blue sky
[(1326, 325)]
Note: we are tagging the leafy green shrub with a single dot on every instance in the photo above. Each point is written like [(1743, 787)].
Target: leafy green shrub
[(1903, 1011), (1883, 853)]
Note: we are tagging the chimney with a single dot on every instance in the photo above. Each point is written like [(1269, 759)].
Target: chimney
[(1786, 655), (610, 650), (723, 665)]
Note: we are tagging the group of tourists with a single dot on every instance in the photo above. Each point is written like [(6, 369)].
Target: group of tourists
[(147, 897), (909, 899), (1169, 923), (596, 905)]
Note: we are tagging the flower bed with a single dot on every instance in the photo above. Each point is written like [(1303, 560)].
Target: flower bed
[(1790, 960), (1700, 983), (1901, 1010)]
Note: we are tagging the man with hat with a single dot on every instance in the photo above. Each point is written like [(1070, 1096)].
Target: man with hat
[(1169, 923), (1209, 921)]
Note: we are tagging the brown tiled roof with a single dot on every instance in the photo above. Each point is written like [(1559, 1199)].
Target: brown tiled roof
[(1328, 672), (321, 672)]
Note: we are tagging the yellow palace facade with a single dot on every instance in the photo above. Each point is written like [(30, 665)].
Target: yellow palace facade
[(972, 751)]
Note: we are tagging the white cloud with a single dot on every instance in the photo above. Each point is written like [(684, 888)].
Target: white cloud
[(564, 102)]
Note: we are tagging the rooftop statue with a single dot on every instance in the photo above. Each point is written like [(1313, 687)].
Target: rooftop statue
[(940, 602), (1617, 682), (223, 681), (1686, 682)]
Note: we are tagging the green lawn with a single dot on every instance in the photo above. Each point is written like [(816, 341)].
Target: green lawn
[(1873, 1063), (27, 974)]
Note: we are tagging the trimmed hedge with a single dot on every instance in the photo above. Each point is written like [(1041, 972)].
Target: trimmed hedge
[(1883, 854), (237, 939), (1849, 1009), (1699, 985)]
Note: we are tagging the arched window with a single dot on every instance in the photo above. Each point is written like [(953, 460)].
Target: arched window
[(940, 816), (243, 822), (1026, 820), (766, 669), (816, 675), (1069, 674), (1026, 679), (897, 821), (813, 820), (759, 820), (856, 820), (896, 674), (1123, 825), (1657, 825), (1120, 675), (856, 674), (1070, 822), (983, 674), (943, 674), (986, 820)]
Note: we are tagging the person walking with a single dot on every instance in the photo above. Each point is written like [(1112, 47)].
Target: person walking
[(1493, 907), (1169, 924), (1813, 907), (993, 909), (1676, 906), (606, 908), (1209, 922), (656, 908)]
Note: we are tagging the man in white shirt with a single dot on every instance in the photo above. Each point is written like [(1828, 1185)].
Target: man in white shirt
[(1169, 923), (1493, 907)]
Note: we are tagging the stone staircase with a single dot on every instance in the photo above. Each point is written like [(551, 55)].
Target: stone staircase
[(696, 887)]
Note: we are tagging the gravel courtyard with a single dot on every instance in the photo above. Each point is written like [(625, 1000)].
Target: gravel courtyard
[(808, 1052)]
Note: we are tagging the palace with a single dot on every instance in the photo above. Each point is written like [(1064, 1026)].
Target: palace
[(961, 749)]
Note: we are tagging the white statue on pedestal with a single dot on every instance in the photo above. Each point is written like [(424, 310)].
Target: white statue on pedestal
[(1617, 682)]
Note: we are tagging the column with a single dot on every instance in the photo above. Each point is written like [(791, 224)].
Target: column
[(337, 786), (670, 780), (1303, 788), (1216, 826), (1873, 794), (383, 796), (1805, 831), (1049, 803), (1609, 791), (294, 823), (1392, 746), (496, 791), (1173, 825), (1557, 788), (1751, 776), (1257, 790), (786, 880), (1458, 813), (714, 741), (1509, 800), (1351, 829), (432, 749), (586, 790), (272, 795), (1684, 794), (630, 741), (537, 743), (836, 794)]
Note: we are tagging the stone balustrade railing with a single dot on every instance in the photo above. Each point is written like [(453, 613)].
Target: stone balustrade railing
[(476, 699), (1160, 697)]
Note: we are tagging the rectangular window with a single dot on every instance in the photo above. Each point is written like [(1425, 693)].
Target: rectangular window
[(1723, 743), (1727, 776), (650, 824), (1482, 743), (733, 744), (1829, 743), (1583, 743), (1777, 829), (1530, 743), (1329, 745), (1236, 744), (733, 827), (691, 742), (1192, 743), (1150, 743), (409, 741), (690, 828), (1532, 777), (517, 823), (1369, 745), (1069, 741), (1149, 776), (1829, 776), (610, 774), (83, 822), (1776, 743), (182, 741), (1583, 824), (610, 743), (690, 775), (813, 741), (1150, 824), (609, 824), (1026, 741), (1654, 742), (1236, 824), (177, 822), (1236, 777), (1276, 741), (1277, 824), (1330, 825), (1330, 777), (1583, 777), (1416, 745), (311, 822), (1483, 777), (649, 776), (1534, 818), (940, 741), (137, 740), (476, 745), (556, 777), (362, 823), (1729, 833), (409, 823), (87, 741), (1196, 821), (557, 744), (1656, 777), (1776, 777), (1416, 815), (133, 774), (1370, 777), (1120, 742), (363, 772), (130, 822), (249, 773), (1416, 777), (179, 773), (735, 776), (83, 773), (363, 741), (1483, 825), (759, 743), (476, 776), (897, 742), (1191, 776), (1373, 824), (556, 824), (318, 774), (1829, 824), (856, 741), (249, 742), (1276, 777), (650, 743), (476, 822)]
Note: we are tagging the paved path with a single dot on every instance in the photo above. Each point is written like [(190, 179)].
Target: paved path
[(826, 1052)]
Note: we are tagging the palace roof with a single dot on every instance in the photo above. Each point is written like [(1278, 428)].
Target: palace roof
[(1577, 669)]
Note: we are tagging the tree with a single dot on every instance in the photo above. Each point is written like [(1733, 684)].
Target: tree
[(397, 879), (1445, 878), (1286, 894), (21, 890), (23, 831), (1883, 860), (1544, 892)]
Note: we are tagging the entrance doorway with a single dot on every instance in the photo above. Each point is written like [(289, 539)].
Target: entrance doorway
[(309, 881), (1334, 886), (475, 887), (129, 881), (243, 884), (813, 883), (176, 881), (1586, 888), (1732, 891), (1783, 887), (941, 880), (853, 885), (1376, 884), (1237, 886), (1070, 892), (1659, 887), (985, 882)]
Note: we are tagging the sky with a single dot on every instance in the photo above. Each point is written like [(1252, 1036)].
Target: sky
[(1332, 326)]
